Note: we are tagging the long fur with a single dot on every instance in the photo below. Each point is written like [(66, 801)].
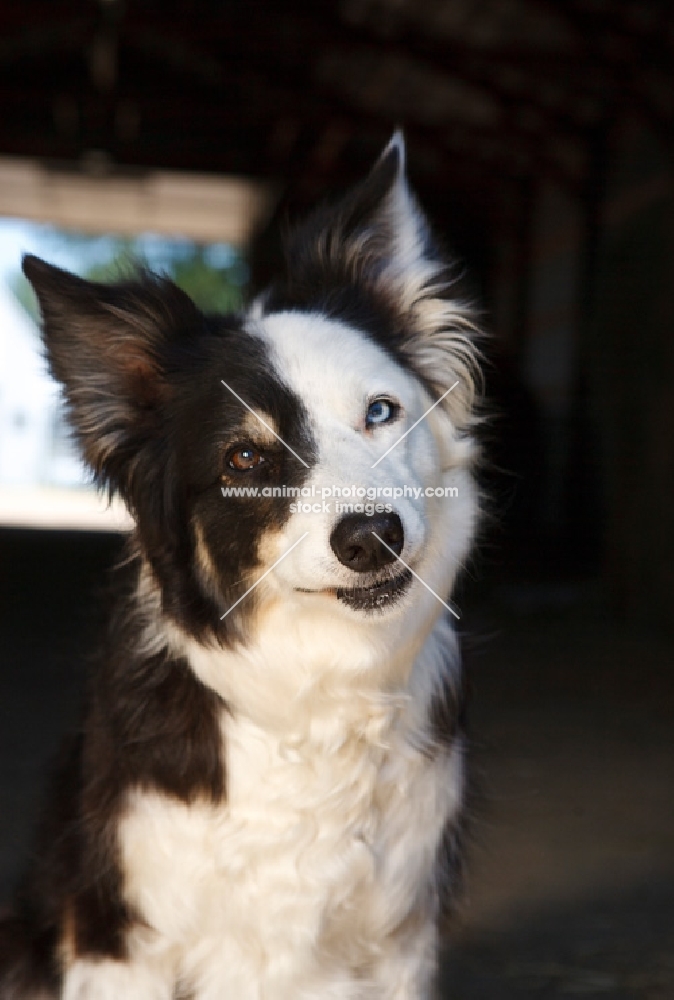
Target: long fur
[(266, 799)]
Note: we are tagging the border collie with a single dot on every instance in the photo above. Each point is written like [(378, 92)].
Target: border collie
[(266, 797)]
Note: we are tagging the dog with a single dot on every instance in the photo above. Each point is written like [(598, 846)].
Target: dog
[(267, 796)]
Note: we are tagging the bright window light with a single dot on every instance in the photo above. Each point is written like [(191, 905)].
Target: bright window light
[(42, 480)]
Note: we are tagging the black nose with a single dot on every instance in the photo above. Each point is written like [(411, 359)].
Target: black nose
[(355, 545)]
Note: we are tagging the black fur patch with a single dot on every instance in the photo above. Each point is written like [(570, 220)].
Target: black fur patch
[(151, 724), (211, 422), (142, 369), (72, 896), (322, 276)]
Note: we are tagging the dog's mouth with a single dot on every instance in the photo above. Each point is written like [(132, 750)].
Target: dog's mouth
[(378, 596), (375, 597)]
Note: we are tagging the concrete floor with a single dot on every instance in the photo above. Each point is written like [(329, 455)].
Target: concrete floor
[(571, 888)]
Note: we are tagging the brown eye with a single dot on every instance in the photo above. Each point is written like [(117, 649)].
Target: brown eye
[(245, 458)]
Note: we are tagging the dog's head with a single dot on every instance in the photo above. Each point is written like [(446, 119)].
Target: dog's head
[(343, 396)]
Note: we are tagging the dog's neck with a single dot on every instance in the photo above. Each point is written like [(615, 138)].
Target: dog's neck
[(306, 671)]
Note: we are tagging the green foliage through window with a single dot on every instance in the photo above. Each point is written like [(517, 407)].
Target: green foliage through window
[(213, 275)]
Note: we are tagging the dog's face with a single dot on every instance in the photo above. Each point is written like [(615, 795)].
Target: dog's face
[(320, 398), (364, 517)]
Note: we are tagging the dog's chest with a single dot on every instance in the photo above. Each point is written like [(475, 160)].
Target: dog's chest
[(315, 860)]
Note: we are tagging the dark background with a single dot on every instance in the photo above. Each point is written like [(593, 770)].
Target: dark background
[(540, 142)]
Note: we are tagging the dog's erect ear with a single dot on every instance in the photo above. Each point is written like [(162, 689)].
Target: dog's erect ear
[(110, 346), (377, 241), (386, 230), (375, 234)]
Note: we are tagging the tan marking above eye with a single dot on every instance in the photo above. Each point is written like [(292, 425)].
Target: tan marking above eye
[(245, 458), (259, 426)]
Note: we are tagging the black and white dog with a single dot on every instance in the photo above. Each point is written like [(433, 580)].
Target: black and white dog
[(266, 797)]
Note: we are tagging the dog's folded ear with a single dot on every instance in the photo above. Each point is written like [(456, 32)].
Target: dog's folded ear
[(111, 346), (376, 243)]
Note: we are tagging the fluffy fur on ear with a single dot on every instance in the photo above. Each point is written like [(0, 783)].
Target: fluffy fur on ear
[(372, 255), (111, 348)]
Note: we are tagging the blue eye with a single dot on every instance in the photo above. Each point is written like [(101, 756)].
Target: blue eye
[(381, 411)]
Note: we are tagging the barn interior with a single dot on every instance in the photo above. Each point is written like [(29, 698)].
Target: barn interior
[(540, 138)]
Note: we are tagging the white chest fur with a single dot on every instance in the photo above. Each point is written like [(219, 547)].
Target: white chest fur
[(312, 881)]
